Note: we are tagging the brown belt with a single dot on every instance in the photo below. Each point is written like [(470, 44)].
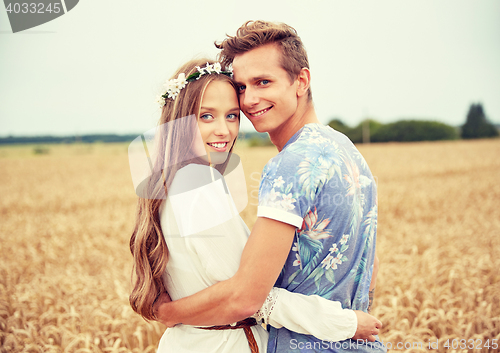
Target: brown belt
[(246, 326)]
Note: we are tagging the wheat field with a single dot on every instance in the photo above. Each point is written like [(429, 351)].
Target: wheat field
[(67, 213)]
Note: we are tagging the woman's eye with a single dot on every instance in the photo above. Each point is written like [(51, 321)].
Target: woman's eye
[(232, 117), (206, 117)]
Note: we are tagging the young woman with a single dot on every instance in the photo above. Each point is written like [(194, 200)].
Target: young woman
[(188, 234)]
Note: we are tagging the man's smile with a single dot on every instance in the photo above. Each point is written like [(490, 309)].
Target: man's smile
[(260, 112)]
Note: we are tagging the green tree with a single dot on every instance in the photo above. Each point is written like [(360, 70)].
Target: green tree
[(476, 125), (339, 125), (355, 134), (414, 130)]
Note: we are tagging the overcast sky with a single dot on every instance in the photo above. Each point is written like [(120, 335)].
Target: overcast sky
[(98, 68)]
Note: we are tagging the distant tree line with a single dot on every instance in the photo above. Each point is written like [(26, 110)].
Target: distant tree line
[(104, 138), (253, 138), (476, 126)]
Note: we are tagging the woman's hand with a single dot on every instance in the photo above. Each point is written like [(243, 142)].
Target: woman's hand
[(368, 326), (163, 299)]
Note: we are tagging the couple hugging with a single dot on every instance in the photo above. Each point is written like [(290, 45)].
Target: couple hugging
[(307, 269)]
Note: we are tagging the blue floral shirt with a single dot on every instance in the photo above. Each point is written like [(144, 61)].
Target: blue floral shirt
[(321, 184)]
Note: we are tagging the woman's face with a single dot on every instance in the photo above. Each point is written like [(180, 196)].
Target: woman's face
[(219, 117)]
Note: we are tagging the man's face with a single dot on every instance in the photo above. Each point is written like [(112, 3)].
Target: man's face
[(267, 97)]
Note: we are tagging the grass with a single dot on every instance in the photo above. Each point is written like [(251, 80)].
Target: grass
[(67, 213)]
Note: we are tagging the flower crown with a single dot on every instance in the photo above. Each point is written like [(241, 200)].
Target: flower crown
[(174, 86)]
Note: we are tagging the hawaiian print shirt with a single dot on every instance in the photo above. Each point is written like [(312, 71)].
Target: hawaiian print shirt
[(321, 184)]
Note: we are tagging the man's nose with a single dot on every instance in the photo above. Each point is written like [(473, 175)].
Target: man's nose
[(250, 98)]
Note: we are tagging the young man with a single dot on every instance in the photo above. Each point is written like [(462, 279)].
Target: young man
[(317, 214)]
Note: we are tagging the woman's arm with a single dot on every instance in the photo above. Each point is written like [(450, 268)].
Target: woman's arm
[(325, 319), (317, 316)]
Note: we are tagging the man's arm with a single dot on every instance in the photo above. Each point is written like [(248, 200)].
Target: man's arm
[(242, 295)]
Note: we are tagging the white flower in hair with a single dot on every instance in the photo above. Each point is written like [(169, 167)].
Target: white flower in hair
[(200, 70), (181, 81), (174, 86), (217, 67), (160, 100), (208, 68)]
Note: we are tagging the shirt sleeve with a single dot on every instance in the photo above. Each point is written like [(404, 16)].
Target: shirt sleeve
[(325, 319), (281, 194)]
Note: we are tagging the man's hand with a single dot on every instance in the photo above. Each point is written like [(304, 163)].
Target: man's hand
[(162, 299), (368, 326)]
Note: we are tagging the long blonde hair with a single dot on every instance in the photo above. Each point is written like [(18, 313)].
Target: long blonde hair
[(147, 243)]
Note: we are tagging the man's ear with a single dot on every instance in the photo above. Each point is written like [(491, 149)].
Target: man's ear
[(304, 81)]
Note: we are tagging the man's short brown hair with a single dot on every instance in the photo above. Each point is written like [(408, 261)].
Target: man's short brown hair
[(254, 34)]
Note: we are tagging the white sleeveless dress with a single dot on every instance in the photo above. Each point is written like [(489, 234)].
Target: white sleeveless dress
[(205, 236)]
